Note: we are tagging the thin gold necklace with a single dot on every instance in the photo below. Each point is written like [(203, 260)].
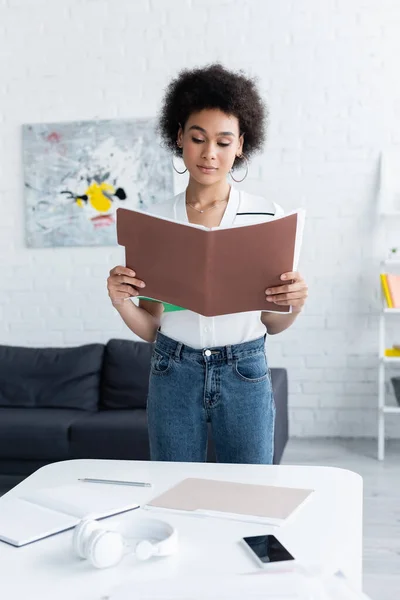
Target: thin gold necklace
[(206, 209)]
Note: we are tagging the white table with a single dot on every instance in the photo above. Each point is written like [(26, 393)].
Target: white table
[(326, 531)]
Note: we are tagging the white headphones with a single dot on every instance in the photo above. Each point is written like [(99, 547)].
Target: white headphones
[(105, 548)]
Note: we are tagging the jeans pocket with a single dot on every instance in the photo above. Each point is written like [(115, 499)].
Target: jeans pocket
[(161, 362), (252, 368)]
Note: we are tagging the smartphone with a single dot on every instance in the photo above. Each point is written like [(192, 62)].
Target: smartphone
[(268, 551)]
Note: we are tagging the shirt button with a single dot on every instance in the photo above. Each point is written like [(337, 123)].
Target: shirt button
[(207, 352), (205, 329)]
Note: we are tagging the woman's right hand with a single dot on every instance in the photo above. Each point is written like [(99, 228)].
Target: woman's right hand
[(122, 284)]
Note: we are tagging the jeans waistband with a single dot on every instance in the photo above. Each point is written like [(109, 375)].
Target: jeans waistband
[(224, 353)]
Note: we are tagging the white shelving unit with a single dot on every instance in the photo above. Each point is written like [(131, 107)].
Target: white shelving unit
[(383, 408), (389, 212)]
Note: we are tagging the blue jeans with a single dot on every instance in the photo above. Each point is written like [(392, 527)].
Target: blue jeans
[(229, 387)]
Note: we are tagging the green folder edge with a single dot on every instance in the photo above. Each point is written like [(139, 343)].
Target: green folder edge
[(167, 307)]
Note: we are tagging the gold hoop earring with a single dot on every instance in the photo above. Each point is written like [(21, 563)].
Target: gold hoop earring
[(247, 170), (175, 169)]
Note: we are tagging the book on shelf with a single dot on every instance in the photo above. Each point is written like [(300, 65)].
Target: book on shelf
[(385, 289), (393, 352), (393, 283), (391, 289)]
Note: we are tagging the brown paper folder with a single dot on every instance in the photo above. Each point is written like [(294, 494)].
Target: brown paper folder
[(209, 271), (208, 496)]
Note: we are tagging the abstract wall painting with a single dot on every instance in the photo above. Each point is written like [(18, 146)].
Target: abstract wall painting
[(77, 174)]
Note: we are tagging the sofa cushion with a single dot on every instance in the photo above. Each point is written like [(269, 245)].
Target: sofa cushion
[(19, 468), (126, 374), (51, 377), (36, 433), (116, 434)]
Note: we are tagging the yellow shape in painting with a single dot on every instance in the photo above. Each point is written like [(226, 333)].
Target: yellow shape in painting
[(97, 198)]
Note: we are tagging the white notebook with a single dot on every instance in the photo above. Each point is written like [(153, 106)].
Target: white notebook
[(44, 512)]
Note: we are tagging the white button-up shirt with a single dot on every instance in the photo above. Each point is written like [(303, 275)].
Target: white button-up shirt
[(194, 329)]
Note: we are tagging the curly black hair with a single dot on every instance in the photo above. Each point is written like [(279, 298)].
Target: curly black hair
[(214, 87)]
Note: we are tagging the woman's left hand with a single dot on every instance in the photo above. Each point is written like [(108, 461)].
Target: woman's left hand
[(293, 293)]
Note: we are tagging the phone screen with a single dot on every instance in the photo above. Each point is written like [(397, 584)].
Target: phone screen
[(268, 548)]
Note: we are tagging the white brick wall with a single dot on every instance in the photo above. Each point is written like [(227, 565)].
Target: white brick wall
[(329, 71)]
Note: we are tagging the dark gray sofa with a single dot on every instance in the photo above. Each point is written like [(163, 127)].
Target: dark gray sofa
[(86, 402)]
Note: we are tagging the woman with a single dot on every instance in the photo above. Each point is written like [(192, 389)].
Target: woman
[(210, 369)]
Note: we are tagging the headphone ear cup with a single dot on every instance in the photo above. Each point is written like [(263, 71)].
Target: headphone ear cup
[(145, 550), (104, 548), (81, 534)]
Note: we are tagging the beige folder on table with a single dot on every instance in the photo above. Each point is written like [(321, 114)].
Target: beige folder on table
[(214, 271), (240, 501)]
